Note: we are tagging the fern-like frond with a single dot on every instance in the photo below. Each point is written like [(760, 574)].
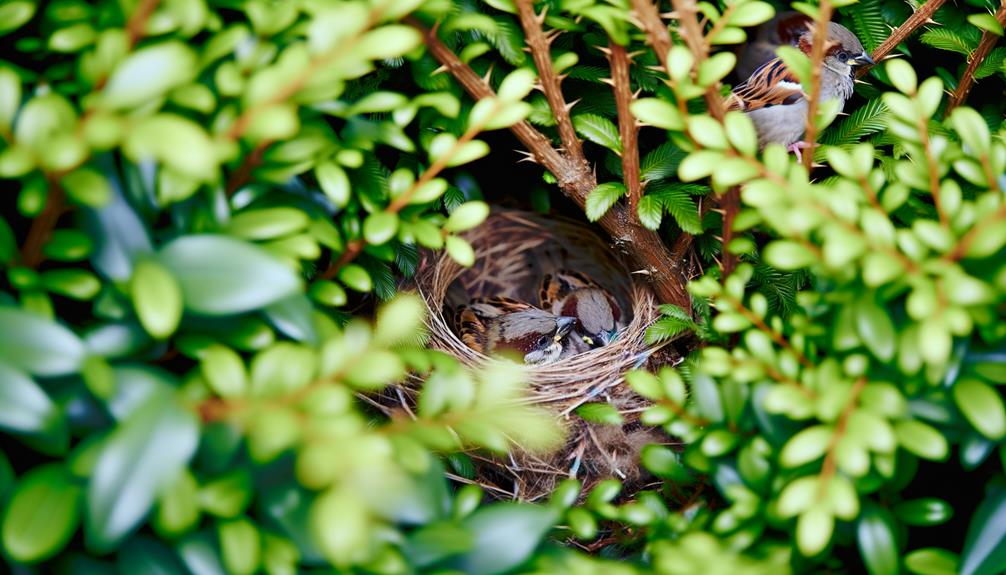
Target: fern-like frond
[(868, 23), (677, 201), (869, 119), (661, 163), (992, 63), (953, 40)]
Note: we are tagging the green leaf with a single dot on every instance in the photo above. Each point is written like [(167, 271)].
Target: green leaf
[(379, 227), (10, 91), (26, 408), (149, 73), (972, 129), (986, 22), (38, 345), (751, 14), (517, 85), (932, 561), (676, 199), (220, 275), (72, 283), (875, 327), (715, 68), (42, 515), (505, 536), (240, 546), (982, 405), (224, 371), (902, 75), (599, 130), (946, 38), (814, 529), (806, 446), (387, 42), (267, 223), (924, 512), (984, 550), (334, 182), (921, 439), (141, 457), (178, 506), (356, 278), (15, 14), (604, 413), (658, 113), (650, 212), (178, 142), (467, 216), (157, 298), (789, 255), (601, 198), (876, 539)]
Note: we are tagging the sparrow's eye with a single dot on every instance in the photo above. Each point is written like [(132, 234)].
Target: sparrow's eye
[(843, 56)]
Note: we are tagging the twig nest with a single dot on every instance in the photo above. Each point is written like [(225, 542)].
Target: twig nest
[(514, 251)]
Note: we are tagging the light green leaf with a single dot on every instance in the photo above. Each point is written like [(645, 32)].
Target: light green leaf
[(149, 73), (157, 298), (42, 515), (38, 345), (460, 251), (599, 130), (379, 227), (220, 275), (467, 216), (982, 405), (601, 198)]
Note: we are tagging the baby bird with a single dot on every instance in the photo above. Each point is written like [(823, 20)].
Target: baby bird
[(573, 294), (775, 100), (502, 326)]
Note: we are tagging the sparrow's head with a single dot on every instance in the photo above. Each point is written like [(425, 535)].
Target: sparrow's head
[(597, 315), (537, 335), (843, 51)]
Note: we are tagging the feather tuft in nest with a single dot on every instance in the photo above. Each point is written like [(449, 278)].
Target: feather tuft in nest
[(514, 251)]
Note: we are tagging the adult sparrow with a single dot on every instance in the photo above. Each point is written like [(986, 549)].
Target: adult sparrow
[(573, 294), (775, 100), (503, 326)]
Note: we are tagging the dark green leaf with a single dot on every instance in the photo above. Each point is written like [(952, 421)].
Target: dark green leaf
[(876, 539), (984, 550), (505, 535)]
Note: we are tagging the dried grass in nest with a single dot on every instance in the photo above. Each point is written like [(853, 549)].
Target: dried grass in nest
[(514, 249)]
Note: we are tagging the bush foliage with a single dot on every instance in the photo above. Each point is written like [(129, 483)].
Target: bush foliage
[(205, 197)]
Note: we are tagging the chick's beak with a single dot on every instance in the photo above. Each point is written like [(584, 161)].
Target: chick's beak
[(563, 325), (863, 59)]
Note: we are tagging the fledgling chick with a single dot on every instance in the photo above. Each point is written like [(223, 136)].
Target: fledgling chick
[(775, 100), (501, 326), (784, 29), (573, 294)]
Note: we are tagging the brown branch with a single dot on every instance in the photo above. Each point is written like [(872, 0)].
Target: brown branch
[(627, 129), (985, 46), (649, 21), (42, 226), (830, 465), (576, 179), (816, 64), (540, 51), (901, 33), (691, 32), (933, 171), (243, 174), (137, 24)]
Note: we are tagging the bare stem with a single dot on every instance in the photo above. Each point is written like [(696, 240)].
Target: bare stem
[(42, 226), (540, 51), (901, 33), (243, 174), (985, 46), (814, 95), (830, 465), (136, 26), (626, 123)]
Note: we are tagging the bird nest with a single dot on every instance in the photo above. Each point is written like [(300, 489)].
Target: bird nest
[(514, 250)]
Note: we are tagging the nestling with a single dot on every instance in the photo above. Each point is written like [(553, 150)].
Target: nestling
[(573, 294), (775, 100), (501, 326)]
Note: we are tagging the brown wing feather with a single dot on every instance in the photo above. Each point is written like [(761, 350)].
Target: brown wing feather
[(770, 85), (471, 328), (555, 287)]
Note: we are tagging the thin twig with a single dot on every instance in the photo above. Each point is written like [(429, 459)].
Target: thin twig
[(985, 46), (137, 24), (996, 218), (243, 174), (830, 465), (627, 129), (933, 171), (42, 226), (921, 16), (820, 44), (649, 20), (539, 44)]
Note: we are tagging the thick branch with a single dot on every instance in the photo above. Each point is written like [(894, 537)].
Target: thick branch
[(540, 51), (901, 33), (656, 32), (626, 123), (816, 63), (576, 179), (985, 46)]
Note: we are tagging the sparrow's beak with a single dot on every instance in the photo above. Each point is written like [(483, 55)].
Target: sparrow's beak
[(562, 326), (863, 59)]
